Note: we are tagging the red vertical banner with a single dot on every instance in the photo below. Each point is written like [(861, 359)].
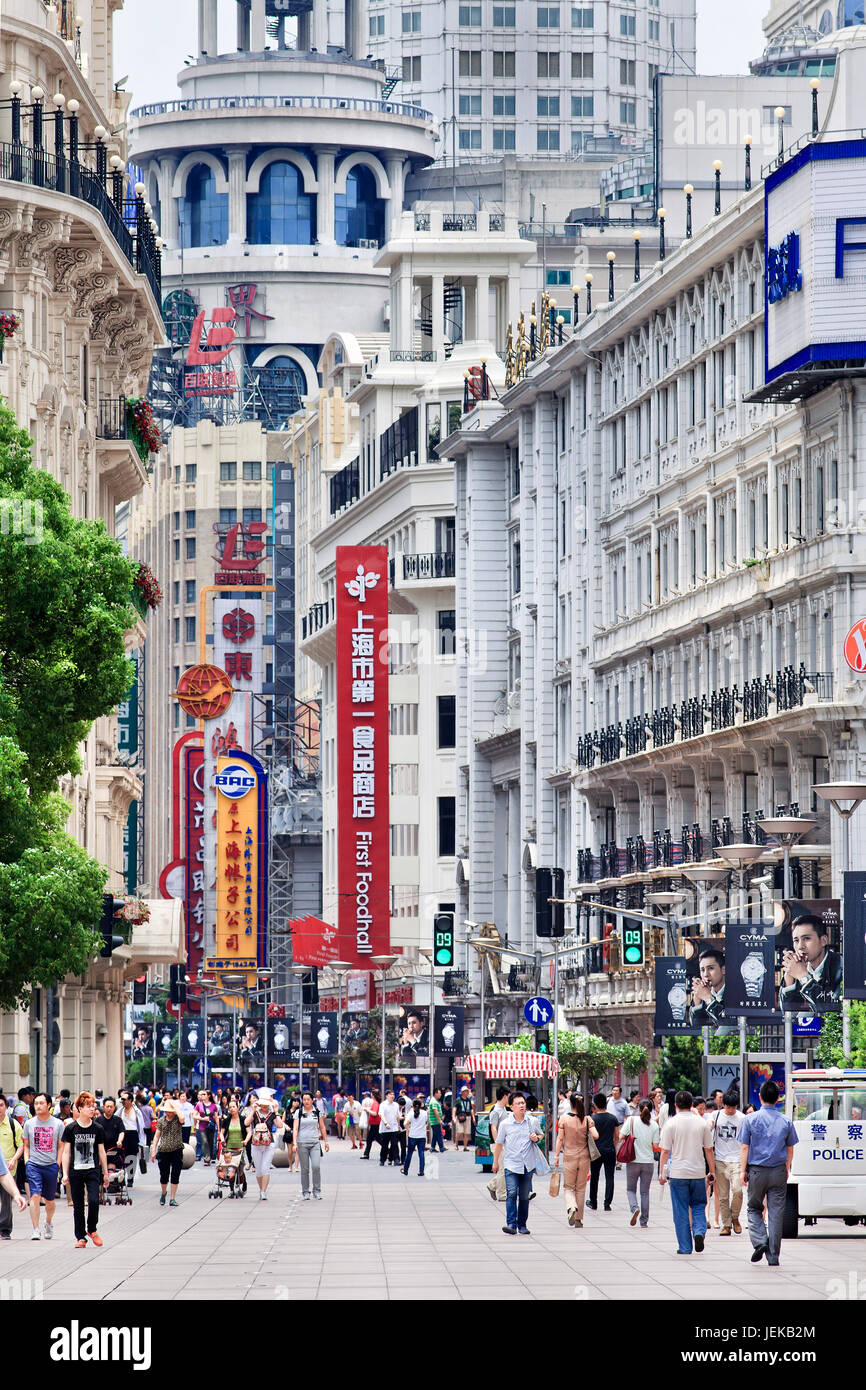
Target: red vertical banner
[(362, 752), (194, 888)]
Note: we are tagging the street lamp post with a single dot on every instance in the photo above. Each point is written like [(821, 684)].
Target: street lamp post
[(430, 953), (704, 876), (341, 969), (668, 900), (837, 793), (384, 963), (787, 830), (299, 971), (741, 857)]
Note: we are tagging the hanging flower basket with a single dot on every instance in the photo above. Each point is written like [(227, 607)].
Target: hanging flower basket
[(146, 593), (9, 324), (143, 430), (135, 911)]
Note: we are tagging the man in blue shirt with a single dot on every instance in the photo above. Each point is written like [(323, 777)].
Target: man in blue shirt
[(767, 1142), (516, 1138)]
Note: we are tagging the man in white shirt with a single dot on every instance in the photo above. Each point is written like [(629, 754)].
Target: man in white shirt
[(724, 1128), (516, 1139), (685, 1140), (389, 1125), (617, 1106)]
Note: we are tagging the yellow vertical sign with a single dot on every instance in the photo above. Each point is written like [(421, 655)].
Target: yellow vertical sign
[(238, 857)]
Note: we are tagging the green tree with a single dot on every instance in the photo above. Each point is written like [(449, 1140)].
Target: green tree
[(585, 1057), (829, 1053), (64, 608)]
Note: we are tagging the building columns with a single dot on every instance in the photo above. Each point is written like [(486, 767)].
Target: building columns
[(167, 203), (359, 37), (325, 200), (482, 308), (711, 536), (395, 202), (207, 28), (237, 193), (258, 32), (437, 315), (320, 26), (243, 18)]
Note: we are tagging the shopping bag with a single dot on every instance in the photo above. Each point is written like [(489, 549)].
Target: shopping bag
[(554, 1184)]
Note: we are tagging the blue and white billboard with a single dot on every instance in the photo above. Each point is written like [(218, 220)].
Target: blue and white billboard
[(815, 284)]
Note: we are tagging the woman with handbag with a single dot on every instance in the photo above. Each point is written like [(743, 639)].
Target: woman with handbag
[(576, 1142), (263, 1120), (639, 1135), (167, 1148), (311, 1139)]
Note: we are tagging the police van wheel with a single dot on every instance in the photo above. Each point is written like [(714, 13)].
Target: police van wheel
[(851, 1220), (791, 1223)]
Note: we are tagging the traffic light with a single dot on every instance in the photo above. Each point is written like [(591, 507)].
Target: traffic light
[(139, 991), (633, 950), (177, 984), (107, 924), (542, 1040), (549, 917), (443, 939)]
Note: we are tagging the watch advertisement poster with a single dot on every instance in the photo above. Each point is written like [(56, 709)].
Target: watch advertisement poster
[(705, 968), (809, 945), (279, 1039), (672, 1016), (750, 970), (323, 1034), (448, 1029)]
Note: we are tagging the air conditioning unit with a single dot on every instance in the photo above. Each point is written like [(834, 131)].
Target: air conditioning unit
[(368, 244)]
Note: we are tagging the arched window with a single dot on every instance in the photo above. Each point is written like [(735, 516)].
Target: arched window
[(280, 214), (203, 213), (850, 12), (281, 384), (358, 214)]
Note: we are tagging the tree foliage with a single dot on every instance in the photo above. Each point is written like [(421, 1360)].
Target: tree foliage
[(679, 1063), (64, 608), (587, 1053), (829, 1051)]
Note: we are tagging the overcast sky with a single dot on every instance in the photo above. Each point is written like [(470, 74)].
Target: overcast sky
[(154, 36)]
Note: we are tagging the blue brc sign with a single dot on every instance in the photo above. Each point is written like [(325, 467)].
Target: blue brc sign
[(784, 275)]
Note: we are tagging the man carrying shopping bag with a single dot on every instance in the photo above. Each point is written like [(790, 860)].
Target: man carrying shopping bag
[(516, 1148)]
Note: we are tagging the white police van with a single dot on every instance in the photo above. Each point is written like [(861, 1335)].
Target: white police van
[(828, 1170)]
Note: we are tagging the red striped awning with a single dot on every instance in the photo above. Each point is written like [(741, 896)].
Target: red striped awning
[(511, 1063)]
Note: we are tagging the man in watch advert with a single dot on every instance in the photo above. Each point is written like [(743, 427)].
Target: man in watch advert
[(811, 972)]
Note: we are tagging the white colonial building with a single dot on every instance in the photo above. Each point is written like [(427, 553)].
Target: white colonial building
[(85, 288), (661, 559), (368, 472)]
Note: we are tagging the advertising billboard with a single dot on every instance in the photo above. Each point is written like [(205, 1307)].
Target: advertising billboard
[(192, 1036), (323, 1034), (362, 752), (242, 857), (448, 1027), (854, 936), (413, 1031), (219, 1038), (251, 1041), (672, 985), (750, 970), (141, 1045)]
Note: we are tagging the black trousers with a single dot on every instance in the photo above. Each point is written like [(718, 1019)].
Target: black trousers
[(79, 1184), (372, 1137), (389, 1148), (608, 1162)]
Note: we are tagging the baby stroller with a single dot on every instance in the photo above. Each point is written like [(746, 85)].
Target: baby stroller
[(229, 1175), (116, 1188)]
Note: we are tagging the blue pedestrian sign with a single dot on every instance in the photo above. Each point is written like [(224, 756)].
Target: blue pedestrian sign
[(538, 1011), (806, 1025)]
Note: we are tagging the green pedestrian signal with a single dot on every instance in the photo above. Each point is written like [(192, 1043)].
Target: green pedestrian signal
[(633, 945), (443, 939), (542, 1040)]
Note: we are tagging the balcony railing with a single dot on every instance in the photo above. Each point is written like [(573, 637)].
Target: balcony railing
[(344, 487), (439, 565), (317, 617), (386, 108), (787, 690), (408, 355), (398, 445), (459, 222), (39, 169), (113, 422)]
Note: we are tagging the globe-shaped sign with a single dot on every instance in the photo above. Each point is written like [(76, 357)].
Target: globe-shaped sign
[(205, 692)]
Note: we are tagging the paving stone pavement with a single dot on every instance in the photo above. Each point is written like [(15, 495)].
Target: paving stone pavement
[(378, 1235)]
